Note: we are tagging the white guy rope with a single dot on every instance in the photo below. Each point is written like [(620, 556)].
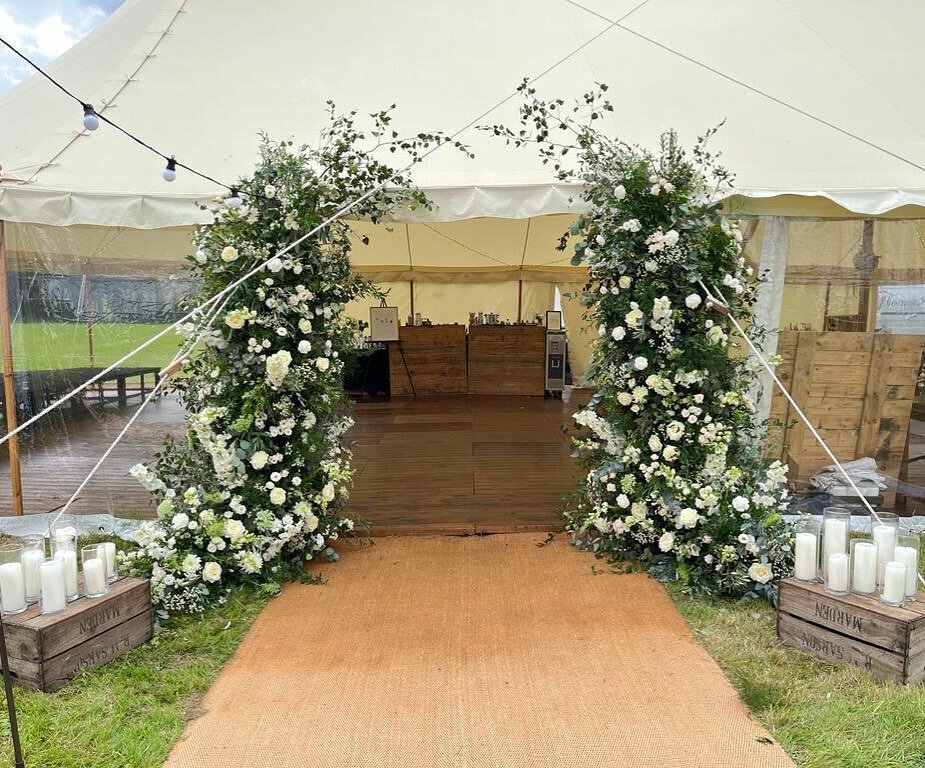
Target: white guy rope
[(724, 308), (282, 252)]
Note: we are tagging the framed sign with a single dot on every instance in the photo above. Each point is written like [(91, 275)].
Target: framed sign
[(383, 323), (553, 320)]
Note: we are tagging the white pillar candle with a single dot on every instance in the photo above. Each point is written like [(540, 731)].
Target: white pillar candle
[(894, 582), (110, 551), (806, 556), (65, 535), (836, 576), (54, 586), (94, 576), (885, 541), (864, 578), (12, 588), (70, 571), (909, 556), (835, 537), (30, 566)]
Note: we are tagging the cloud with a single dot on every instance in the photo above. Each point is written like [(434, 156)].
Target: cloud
[(43, 32)]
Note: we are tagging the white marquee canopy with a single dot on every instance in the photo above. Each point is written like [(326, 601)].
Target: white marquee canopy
[(201, 78)]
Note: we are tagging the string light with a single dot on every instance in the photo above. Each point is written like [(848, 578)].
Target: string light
[(91, 121), (170, 172)]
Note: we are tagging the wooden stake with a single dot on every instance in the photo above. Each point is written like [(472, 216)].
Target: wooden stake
[(9, 379)]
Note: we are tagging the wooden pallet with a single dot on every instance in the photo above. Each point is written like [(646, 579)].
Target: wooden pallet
[(887, 642), (48, 650), (856, 389)]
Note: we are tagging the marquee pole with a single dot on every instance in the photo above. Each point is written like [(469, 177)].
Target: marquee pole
[(9, 377)]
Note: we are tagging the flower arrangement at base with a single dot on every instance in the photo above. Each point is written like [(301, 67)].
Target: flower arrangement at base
[(670, 440), (260, 483)]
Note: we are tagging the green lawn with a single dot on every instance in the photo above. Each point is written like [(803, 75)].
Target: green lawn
[(43, 346), (824, 716), (130, 712)]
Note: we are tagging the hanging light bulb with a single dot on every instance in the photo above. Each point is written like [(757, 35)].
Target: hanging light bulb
[(91, 121), (235, 200), (170, 172)]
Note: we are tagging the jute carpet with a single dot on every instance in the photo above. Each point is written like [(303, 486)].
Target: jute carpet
[(432, 652)]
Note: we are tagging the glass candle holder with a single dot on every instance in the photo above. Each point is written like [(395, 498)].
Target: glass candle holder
[(12, 579), (836, 574), (884, 534), (94, 567), (909, 552), (806, 558), (63, 529), (65, 547), (33, 553), (108, 553), (863, 567), (836, 527), (53, 585), (893, 589)]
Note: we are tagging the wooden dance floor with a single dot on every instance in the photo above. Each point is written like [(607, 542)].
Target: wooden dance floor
[(458, 464)]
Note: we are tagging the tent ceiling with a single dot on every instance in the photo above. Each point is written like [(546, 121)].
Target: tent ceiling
[(200, 78)]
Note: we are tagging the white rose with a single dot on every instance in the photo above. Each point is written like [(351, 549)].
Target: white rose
[(619, 192), (327, 493), (655, 444), (625, 282), (180, 521), (236, 318), (275, 264), (229, 253), (633, 318), (211, 572), (277, 496), (740, 504), (311, 523), (632, 225), (322, 364), (760, 572), (674, 430), (305, 346), (618, 333), (234, 529), (640, 363), (278, 366), (666, 542), (670, 453), (259, 459), (671, 237), (624, 398), (693, 301), (305, 325), (688, 518), (623, 501)]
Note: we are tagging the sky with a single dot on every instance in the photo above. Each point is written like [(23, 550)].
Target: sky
[(43, 30)]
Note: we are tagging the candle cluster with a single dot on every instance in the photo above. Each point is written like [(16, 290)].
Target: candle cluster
[(28, 576), (889, 561)]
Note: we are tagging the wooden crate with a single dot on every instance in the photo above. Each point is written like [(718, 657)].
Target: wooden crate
[(48, 650), (887, 642), (507, 360), (856, 389), (435, 358)]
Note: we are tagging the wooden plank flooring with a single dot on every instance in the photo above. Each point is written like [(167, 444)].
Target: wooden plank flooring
[(452, 464), (458, 464)]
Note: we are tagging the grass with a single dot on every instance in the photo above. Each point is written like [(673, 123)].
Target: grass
[(130, 712), (44, 346), (825, 716)]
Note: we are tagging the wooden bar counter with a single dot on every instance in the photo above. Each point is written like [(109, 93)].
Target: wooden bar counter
[(435, 356), (507, 360)]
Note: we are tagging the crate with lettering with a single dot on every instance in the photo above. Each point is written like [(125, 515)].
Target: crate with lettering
[(48, 650), (887, 642)]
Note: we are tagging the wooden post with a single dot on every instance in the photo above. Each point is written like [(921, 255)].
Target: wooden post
[(9, 379)]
